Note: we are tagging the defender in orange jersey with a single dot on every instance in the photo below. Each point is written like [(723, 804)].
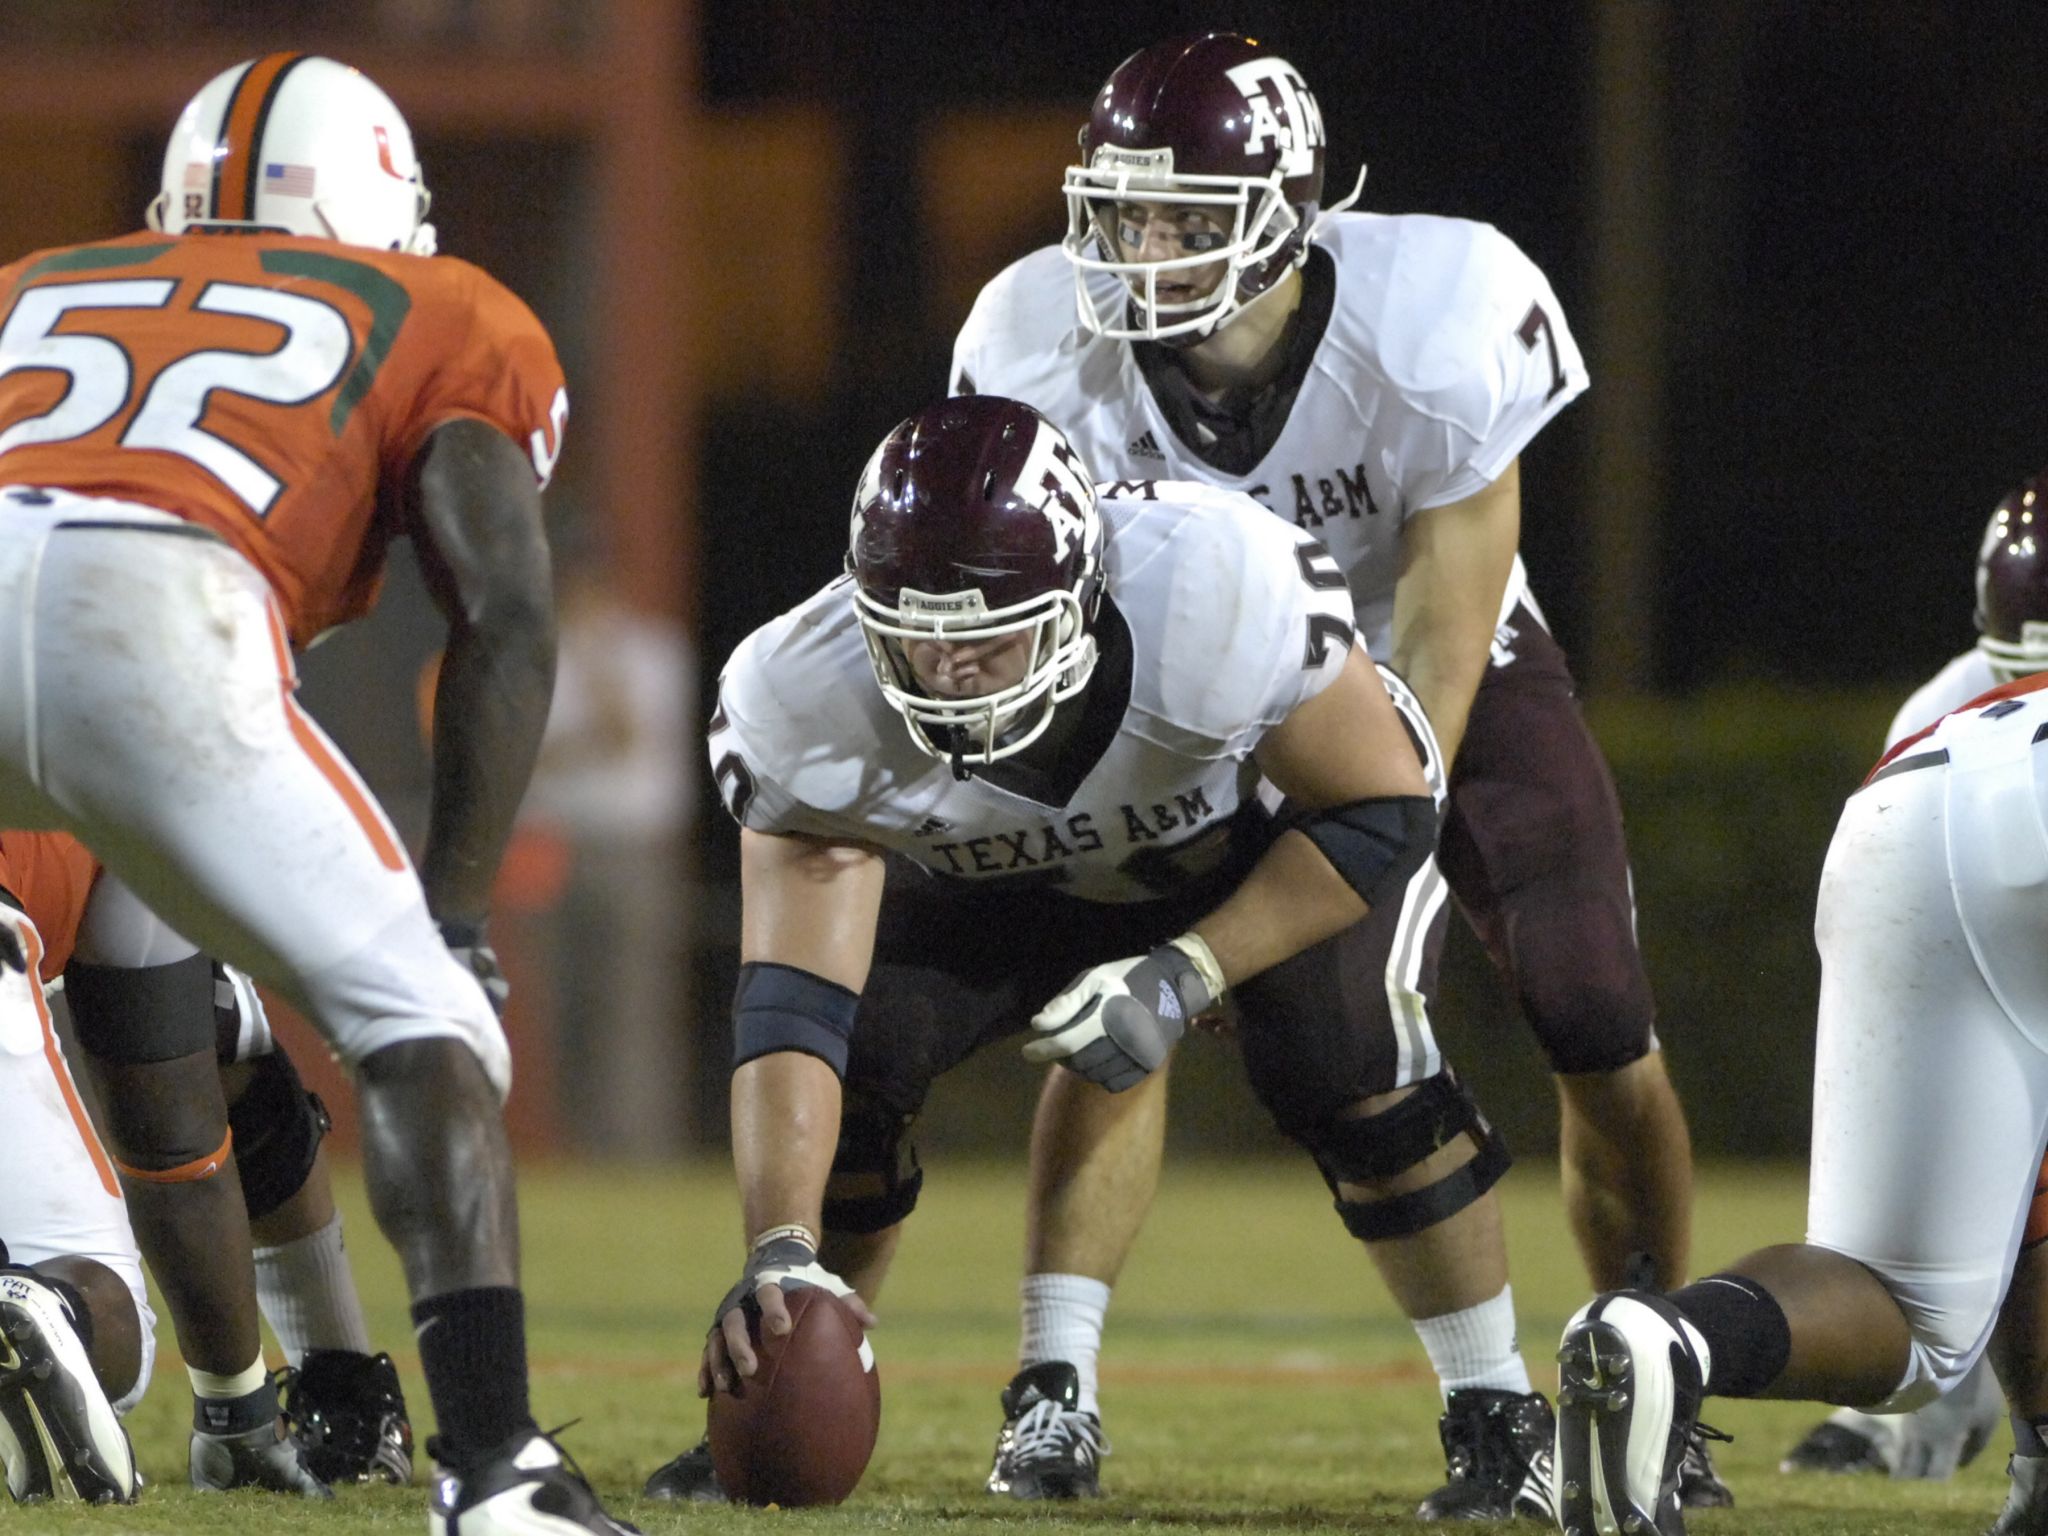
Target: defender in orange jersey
[(208, 436)]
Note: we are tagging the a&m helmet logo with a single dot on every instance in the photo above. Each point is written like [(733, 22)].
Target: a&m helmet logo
[(1284, 115)]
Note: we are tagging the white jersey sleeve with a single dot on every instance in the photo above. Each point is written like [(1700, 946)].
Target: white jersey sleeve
[(1961, 680), (1024, 331), (1467, 335), (787, 738), (1253, 616)]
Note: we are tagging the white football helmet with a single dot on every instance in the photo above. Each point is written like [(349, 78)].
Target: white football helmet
[(295, 142)]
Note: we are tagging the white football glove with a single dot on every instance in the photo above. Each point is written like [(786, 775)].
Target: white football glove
[(1116, 1023)]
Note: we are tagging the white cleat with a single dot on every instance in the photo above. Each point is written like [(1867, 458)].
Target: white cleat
[(58, 1432), (535, 1491), (1628, 1397)]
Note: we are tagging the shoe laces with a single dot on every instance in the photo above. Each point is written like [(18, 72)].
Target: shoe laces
[(1049, 1431)]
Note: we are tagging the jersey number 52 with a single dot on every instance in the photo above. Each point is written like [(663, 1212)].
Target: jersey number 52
[(316, 349)]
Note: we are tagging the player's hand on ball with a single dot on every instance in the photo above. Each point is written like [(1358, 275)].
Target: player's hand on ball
[(783, 1259), (465, 942), (1116, 1023)]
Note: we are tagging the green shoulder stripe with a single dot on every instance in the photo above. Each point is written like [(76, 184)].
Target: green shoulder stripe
[(388, 301)]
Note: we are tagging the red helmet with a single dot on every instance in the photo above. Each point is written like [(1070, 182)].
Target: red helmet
[(975, 519), (1213, 122), (2012, 582)]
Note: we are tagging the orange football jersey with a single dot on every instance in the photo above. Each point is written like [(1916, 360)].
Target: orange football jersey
[(274, 388), (50, 875)]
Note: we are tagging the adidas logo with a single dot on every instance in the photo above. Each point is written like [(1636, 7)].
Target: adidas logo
[(1145, 446), (1169, 1001), (929, 826)]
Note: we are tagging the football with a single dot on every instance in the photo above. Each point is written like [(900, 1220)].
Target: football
[(801, 1430)]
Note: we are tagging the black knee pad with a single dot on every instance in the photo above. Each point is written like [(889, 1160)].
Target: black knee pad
[(277, 1126), (873, 1144), (1351, 1151)]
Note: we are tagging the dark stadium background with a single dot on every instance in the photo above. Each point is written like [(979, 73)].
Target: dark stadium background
[(1800, 243)]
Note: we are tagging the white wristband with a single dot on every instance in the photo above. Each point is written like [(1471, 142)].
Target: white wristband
[(1196, 948), (794, 1229)]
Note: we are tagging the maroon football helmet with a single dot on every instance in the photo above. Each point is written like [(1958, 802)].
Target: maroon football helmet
[(2012, 582), (1213, 123), (976, 519)]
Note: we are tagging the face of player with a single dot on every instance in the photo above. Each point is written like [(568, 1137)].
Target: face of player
[(970, 669), (1150, 232)]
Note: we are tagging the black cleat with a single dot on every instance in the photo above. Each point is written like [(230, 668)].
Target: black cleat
[(534, 1489), (690, 1476), (1832, 1447), (348, 1413), (1929, 1443), (263, 1457), (1628, 1399), (1047, 1448), (1497, 1452), (1699, 1485), (58, 1432)]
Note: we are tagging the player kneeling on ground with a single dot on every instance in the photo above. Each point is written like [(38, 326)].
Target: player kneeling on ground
[(1004, 771), (1933, 1016)]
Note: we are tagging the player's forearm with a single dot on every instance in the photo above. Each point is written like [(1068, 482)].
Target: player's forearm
[(785, 1128), (1444, 664), (1292, 899), (490, 710)]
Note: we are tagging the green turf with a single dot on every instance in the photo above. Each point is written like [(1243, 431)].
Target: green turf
[(1256, 1379)]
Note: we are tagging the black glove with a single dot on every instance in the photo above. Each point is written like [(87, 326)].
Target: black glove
[(465, 942)]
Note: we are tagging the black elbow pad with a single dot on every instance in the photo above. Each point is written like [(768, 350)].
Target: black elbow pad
[(1374, 844)]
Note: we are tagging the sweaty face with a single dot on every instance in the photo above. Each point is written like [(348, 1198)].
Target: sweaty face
[(1149, 232), (969, 669)]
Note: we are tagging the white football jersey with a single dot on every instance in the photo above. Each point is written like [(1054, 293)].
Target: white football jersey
[(1445, 354), (1234, 621), (1961, 680)]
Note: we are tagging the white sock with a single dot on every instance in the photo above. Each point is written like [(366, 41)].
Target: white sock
[(308, 1294), (1063, 1321), (216, 1388), (1476, 1347)]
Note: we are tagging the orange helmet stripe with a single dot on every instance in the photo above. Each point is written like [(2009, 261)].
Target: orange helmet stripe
[(235, 177)]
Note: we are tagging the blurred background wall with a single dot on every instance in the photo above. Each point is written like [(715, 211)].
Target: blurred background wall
[(1798, 242)]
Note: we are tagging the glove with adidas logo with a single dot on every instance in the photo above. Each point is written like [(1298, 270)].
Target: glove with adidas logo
[(1116, 1023)]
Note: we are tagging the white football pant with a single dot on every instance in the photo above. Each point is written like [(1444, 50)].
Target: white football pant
[(145, 705), (1930, 1094), (59, 1195)]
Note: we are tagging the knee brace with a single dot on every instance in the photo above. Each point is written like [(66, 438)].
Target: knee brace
[(874, 1148), (1352, 1151), (277, 1127)]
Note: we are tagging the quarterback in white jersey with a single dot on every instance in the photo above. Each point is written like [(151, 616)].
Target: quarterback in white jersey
[(1005, 773), (1933, 1013), (1372, 379), (1442, 353)]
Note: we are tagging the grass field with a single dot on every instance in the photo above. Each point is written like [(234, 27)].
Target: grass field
[(1256, 1379)]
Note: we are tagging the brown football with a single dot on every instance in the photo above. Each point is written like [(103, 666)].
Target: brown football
[(801, 1429)]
